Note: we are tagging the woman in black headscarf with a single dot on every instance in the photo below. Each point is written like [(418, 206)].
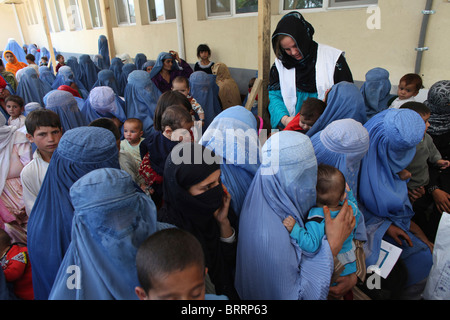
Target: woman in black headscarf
[(195, 200), (303, 68)]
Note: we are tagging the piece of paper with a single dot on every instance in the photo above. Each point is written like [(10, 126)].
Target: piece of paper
[(389, 255)]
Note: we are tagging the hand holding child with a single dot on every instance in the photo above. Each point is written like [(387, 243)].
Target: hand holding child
[(443, 164)]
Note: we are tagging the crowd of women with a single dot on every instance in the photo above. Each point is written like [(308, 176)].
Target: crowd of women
[(233, 190)]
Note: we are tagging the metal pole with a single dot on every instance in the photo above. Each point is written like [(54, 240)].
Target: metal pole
[(421, 46)]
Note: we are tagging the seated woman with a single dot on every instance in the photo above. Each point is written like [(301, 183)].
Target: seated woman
[(66, 76), (270, 265), (66, 106), (383, 195), (233, 136), (168, 66), (13, 65), (196, 201), (112, 217), (229, 94), (31, 88)]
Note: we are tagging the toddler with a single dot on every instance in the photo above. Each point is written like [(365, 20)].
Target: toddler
[(176, 122), (15, 109), (181, 84), (311, 110), (132, 132), (204, 54), (408, 87), (16, 266), (331, 192)]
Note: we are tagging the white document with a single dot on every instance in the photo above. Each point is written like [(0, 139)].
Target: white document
[(389, 255)]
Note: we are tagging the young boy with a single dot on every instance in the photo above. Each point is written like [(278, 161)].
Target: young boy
[(408, 87), (16, 266), (311, 110), (31, 62), (204, 54), (15, 109), (44, 62), (171, 266), (331, 192), (132, 132), (61, 63), (181, 84), (176, 122), (44, 130)]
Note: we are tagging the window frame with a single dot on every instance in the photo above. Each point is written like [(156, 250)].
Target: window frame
[(129, 23), (332, 5), (59, 16), (99, 13), (78, 12), (231, 14), (160, 21)]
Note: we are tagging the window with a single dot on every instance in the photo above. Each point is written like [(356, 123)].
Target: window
[(161, 10), (49, 17), (33, 12), (325, 4), (73, 15), (217, 8), (59, 16), (95, 13), (125, 12)]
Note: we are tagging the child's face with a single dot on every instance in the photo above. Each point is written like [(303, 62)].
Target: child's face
[(14, 109), (61, 60), (306, 124), (149, 69), (46, 139), (132, 133), (182, 134), (406, 91), (426, 118), (204, 55), (186, 284), (9, 57), (180, 87)]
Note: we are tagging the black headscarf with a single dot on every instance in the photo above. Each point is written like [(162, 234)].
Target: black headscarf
[(301, 31), (195, 213)]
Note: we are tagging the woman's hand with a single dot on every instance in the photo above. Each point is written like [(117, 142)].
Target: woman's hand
[(442, 200), (175, 55), (221, 215), (395, 233), (285, 120), (339, 228), (416, 193), (415, 229), (344, 285)]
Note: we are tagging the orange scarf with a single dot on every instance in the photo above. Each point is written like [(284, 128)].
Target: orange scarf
[(15, 66)]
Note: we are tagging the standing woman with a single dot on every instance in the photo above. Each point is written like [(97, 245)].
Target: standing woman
[(168, 66), (195, 201), (303, 68), (103, 50)]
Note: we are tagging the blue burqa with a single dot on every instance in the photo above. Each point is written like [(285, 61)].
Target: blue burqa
[(205, 90), (343, 144), (31, 88), (112, 217), (233, 137), (103, 103), (72, 62), (46, 75), (126, 70), (18, 51), (139, 60), (116, 67), (344, 102), (66, 106), (66, 76), (88, 71), (383, 196), (141, 97), (103, 50), (106, 78), (79, 152), (270, 264), (376, 91)]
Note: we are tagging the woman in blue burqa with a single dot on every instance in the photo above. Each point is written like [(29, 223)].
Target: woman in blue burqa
[(79, 152), (103, 103), (112, 217), (343, 144), (383, 195), (31, 88), (107, 78), (141, 97), (270, 264), (204, 89), (233, 137), (140, 60), (376, 91), (344, 101), (126, 70), (88, 71), (67, 77), (67, 108), (46, 75), (103, 50)]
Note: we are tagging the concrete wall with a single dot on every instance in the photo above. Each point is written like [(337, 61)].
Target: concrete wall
[(234, 40)]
